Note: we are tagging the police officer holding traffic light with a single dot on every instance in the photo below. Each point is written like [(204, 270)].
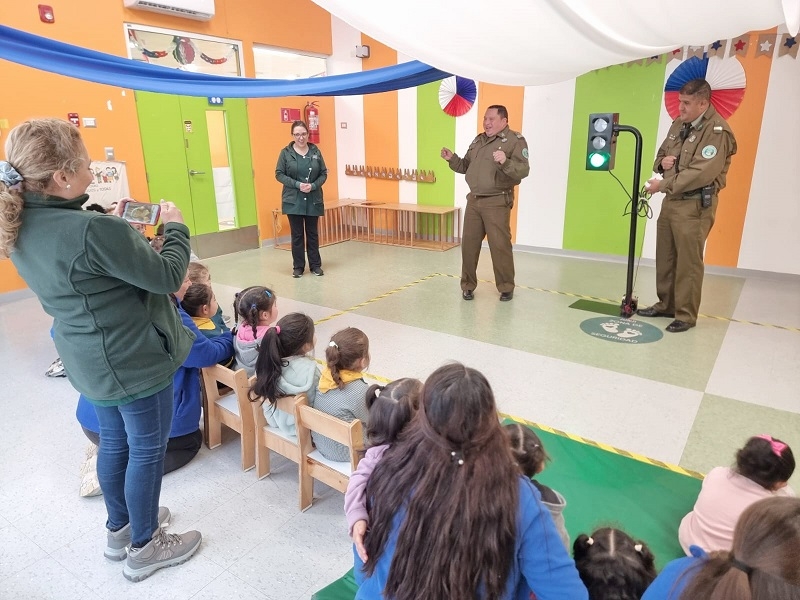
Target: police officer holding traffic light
[(694, 161), (496, 162)]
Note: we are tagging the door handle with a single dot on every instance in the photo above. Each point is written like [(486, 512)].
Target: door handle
[(193, 172)]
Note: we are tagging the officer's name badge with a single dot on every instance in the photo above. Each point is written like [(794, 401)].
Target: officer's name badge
[(709, 151), (717, 128), (692, 138)]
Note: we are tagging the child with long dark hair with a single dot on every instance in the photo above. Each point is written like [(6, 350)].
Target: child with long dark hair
[(391, 408), (763, 468), (450, 515), (613, 565), (342, 388), (284, 368), (254, 310), (531, 457)]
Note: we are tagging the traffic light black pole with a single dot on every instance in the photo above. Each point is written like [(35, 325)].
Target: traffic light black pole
[(628, 307)]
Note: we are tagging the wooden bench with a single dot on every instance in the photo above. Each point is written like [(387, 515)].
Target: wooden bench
[(334, 225), (409, 225)]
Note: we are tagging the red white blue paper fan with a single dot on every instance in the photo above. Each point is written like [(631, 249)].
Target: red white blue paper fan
[(457, 95), (725, 76)]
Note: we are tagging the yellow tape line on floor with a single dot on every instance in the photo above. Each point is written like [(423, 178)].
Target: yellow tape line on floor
[(595, 298), (606, 447), (376, 298)]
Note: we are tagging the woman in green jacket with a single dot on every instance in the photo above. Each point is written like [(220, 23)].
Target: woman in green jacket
[(302, 172), (116, 330)]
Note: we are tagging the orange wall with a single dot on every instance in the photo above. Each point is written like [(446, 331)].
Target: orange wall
[(380, 127), (98, 25)]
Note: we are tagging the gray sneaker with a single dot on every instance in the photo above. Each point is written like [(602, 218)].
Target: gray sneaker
[(118, 541), (164, 550)]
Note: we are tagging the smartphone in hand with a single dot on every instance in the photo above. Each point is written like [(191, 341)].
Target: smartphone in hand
[(141, 212)]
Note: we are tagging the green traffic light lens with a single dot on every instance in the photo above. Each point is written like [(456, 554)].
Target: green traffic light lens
[(598, 159)]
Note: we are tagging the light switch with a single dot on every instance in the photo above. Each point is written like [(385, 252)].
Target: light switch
[(89, 122), (109, 153)]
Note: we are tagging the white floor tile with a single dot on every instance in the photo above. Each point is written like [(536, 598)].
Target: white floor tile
[(760, 365)]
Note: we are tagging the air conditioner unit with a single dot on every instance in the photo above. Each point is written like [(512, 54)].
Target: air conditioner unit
[(202, 10)]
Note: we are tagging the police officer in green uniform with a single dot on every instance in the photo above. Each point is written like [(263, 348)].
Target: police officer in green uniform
[(694, 160), (496, 161)]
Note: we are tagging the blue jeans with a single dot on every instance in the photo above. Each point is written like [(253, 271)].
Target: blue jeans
[(130, 462)]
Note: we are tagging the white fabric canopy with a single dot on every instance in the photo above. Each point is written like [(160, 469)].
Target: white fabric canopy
[(537, 42)]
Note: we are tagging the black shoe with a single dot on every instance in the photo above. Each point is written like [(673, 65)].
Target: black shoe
[(318, 271), (652, 312), (506, 296), (467, 295), (678, 326), (297, 273)]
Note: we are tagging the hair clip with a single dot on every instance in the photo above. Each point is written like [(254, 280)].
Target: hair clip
[(777, 447), (589, 541), (457, 457), (333, 344), (253, 306), (268, 293), (637, 547)]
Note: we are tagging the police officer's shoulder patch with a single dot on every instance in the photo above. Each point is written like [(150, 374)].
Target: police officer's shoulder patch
[(525, 153), (709, 151)]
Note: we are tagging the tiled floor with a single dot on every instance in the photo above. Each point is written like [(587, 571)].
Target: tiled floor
[(689, 398)]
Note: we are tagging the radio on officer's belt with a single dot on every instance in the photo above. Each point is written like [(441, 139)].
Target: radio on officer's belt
[(706, 194)]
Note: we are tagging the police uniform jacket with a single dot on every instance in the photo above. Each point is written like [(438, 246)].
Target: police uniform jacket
[(292, 170), (486, 177), (703, 157)]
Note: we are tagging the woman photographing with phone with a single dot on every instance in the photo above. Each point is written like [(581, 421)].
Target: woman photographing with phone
[(116, 330), (302, 172)]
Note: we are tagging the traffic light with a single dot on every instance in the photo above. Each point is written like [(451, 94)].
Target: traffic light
[(602, 142)]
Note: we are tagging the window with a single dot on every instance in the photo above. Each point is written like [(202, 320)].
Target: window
[(272, 63), (180, 50)]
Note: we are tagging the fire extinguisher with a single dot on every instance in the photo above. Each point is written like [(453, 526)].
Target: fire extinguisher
[(311, 114)]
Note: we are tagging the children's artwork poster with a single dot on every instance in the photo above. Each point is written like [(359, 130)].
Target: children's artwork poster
[(110, 182)]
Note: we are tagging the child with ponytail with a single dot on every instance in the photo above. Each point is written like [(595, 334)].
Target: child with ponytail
[(254, 310), (284, 368), (342, 388)]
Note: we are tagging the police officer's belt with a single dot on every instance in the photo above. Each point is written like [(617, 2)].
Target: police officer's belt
[(503, 193)]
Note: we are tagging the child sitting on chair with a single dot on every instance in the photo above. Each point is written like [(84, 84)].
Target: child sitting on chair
[(254, 310), (613, 566), (763, 468), (199, 273), (201, 305), (342, 387), (390, 407), (284, 368), (529, 453)]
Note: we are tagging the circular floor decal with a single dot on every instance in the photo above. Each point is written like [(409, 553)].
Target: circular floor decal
[(624, 331)]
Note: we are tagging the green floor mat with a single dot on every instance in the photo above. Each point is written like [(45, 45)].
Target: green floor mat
[(602, 488), (603, 308)]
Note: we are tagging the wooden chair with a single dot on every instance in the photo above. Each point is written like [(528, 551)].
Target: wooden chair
[(271, 438), (315, 466), (232, 409)]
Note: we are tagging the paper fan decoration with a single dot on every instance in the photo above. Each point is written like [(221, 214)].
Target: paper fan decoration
[(457, 95), (725, 76)]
